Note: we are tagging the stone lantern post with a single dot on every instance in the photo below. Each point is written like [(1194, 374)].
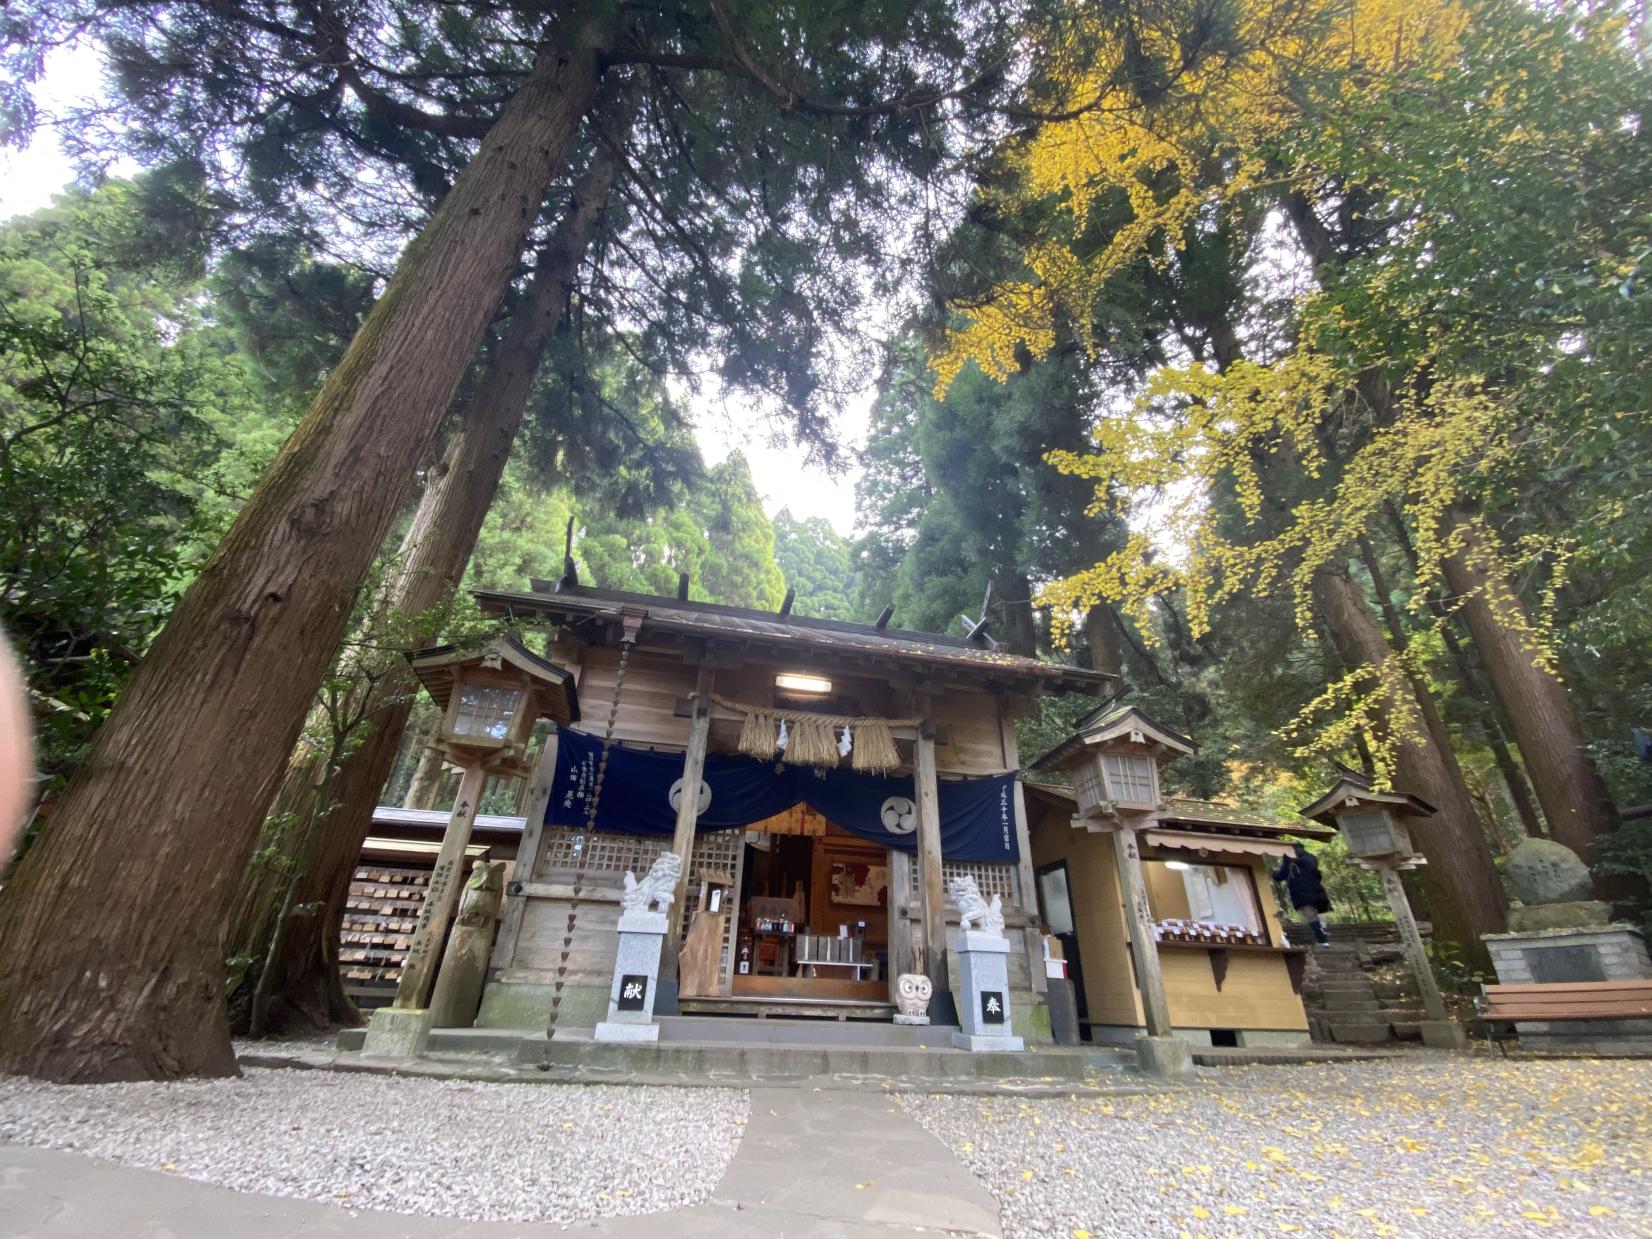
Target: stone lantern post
[(1114, 761), (490, 700), (1377, 829)]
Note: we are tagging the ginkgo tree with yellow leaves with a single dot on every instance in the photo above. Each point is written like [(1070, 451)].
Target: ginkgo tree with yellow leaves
[(1455, 184)]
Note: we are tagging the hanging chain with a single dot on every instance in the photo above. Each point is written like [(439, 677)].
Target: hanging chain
[(628, 638)]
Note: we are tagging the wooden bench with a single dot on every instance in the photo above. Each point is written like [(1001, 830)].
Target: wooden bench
[(1506, 1005)]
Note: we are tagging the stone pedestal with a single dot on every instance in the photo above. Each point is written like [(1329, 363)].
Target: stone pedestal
[(1443, 1034), (1556, 956), (636, 979), (397, 1032), (1168, 1058), (983, 992)]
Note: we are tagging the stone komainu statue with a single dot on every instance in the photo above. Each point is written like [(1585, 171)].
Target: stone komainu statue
[(973, 910), (658, 887)]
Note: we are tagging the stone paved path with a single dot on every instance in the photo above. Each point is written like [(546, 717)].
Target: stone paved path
[(871, 1171)]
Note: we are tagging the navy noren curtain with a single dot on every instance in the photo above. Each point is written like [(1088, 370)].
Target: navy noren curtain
[(641, 789)]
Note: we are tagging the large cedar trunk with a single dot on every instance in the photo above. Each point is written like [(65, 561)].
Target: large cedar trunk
[(1014, 594), (435, 552), (112, 928), (1490, 725), (1465, 896), (427, 780), (1101, 630), (1574, 797)]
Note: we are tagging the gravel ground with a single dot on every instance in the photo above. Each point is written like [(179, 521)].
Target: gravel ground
[(486, 1152), (1421, 1147)]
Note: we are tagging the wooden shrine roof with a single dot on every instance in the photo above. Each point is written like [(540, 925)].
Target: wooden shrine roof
[(586, 608), (1182, 813)]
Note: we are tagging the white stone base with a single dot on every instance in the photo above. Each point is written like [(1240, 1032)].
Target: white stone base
[(607, 1031), (397, 1032), (983, 967), (968, 1041), (911, 1019)]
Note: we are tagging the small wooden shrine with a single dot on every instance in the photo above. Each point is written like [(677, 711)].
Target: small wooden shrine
[(821, 781)]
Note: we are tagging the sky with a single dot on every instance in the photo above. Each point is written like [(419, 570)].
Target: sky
[(31, 177)]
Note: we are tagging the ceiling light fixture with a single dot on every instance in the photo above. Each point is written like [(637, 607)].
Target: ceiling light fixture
[(796, 683)]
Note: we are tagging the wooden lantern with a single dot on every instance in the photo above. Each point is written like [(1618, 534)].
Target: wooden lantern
[(491, 698), (1114, 761), (1375, 825)]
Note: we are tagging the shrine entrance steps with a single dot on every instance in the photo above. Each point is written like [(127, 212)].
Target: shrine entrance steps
[(842, 1052), (737, 1053), (781, 1030), (774, 1010)]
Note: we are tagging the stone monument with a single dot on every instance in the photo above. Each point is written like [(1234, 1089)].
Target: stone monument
[(458, 991), (1558, 935), (1549, 887), (913, 991), (645, 908), (983, 971)]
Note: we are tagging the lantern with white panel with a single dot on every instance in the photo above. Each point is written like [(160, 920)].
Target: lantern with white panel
[(1376, 826), (1113, 760), (490, 699)]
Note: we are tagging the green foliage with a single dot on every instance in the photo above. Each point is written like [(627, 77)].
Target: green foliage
[(111, 395), (816, 561)]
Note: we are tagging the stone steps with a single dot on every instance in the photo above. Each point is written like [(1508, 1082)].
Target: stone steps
[(738, 1030), (743, 1062), (1342, 1006), (1360, 1032)]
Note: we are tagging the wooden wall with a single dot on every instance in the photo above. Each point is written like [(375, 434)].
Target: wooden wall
[(655, 682), (1256, 992), (1098, 913)]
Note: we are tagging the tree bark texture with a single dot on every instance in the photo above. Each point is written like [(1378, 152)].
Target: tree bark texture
[(1513, 780), (1496, 717), (1101, 631), (1575, 799), (1013, 592), (1465, 895), (112, 929), (427, 777), (434, 555)]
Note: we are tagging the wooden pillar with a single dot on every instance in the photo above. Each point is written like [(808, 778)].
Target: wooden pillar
[(1411, 942), (527, 857), (900, 928), (419, 968), (1025, 881), (1138, 916), (694, 765), (931, 888)]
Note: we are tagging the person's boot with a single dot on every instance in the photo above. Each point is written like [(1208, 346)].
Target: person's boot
[(1322, 936)]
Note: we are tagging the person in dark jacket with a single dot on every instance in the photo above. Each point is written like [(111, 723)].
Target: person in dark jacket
[(1300, 874)]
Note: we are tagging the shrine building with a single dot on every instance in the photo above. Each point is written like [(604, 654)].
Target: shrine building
[(823, 782)]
